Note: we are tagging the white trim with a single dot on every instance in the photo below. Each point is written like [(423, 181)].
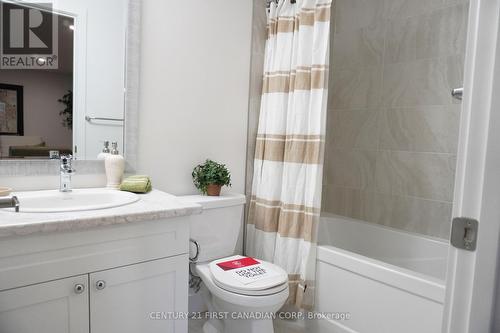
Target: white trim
[(471, 275), (132, 70), (79, 82)]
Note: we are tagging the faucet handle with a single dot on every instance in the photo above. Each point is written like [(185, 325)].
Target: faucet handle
[(66, 163), (66, 159)]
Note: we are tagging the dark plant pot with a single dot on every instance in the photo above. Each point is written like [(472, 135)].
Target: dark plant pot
[(213, 190)]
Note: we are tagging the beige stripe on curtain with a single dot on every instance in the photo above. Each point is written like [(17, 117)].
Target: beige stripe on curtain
[(301, 79), (306, 17), (286, 189)]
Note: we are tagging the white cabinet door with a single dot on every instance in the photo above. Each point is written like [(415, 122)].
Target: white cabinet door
[(50, 307), (128, 299)]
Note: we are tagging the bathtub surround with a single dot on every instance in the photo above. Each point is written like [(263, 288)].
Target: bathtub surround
[(259, 22), (392, 128), (286, 190)]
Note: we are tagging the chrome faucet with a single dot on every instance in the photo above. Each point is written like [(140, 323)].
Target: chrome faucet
[(66, 172), (12, 202)]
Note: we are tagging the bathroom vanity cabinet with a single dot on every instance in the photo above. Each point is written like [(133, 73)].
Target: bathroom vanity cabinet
[(122, 278)]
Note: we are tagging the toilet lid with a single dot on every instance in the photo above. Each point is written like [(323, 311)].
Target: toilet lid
[(269, 280)]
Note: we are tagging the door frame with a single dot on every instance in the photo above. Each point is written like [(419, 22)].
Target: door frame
[(471, 276)]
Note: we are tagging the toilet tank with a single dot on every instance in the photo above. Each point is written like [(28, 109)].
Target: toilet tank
[(219, 228)]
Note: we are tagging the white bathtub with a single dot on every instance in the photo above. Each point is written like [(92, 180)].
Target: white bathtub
[(387, 281)]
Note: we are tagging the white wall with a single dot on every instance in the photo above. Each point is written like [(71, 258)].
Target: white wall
[(495, 325), (194, 89)]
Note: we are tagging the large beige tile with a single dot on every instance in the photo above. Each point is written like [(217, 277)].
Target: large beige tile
[(421, 129), (348, 202), (442, 32), (353, 129), (358, 204), (355, 14), (253, 119), (333, 200), (259, 27), (432, 218), (332, 39), (328, 133), (256, 74), (427, 217), (359, 48), (424, 175), (398, 9), (351, 168), (455, 2), (401, 40), (355, 88), (423, 46), (422, 82)]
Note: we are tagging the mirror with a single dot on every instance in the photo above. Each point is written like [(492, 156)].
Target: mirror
[(62, 78)]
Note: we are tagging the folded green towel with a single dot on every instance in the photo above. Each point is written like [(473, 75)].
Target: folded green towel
[(136, 184)]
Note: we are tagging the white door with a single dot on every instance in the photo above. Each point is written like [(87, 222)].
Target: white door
[(59, 306), (139, 298), (99, 74), (470, 292)]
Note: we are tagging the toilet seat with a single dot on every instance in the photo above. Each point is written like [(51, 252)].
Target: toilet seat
[(236, 307), (246, 301), (267, 286)]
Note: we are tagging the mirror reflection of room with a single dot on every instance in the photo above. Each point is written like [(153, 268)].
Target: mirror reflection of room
[(36, 106)]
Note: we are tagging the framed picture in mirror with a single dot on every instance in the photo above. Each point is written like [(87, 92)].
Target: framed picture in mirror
[(11, 109)]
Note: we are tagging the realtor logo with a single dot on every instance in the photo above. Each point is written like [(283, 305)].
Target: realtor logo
[(28, 36)]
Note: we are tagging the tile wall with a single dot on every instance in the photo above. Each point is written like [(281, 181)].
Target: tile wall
[(259, 24), (392, 128)]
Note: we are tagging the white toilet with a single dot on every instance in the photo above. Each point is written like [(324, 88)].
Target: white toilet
[(234, 307)]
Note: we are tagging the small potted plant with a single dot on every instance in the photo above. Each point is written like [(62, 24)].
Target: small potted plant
[(67, 113), (210, 176)]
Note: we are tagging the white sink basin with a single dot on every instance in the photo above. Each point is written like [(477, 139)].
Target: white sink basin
[(76, 200)]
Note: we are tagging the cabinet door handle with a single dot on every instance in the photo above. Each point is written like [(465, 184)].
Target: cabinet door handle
[(100, 285), (79, 288)]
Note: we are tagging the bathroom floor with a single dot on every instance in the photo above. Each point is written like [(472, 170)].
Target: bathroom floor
[(196, 325)]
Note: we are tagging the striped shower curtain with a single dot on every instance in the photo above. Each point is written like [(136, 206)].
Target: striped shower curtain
[(286, 189)]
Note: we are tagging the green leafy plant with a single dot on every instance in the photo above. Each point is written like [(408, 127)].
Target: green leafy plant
[(67, 113), (210, 173)]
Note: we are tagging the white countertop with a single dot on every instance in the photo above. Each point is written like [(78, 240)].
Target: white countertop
[(154, 205)]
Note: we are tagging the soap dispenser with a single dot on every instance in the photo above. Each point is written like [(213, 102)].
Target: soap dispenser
[(115, 166), (105, 151)]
